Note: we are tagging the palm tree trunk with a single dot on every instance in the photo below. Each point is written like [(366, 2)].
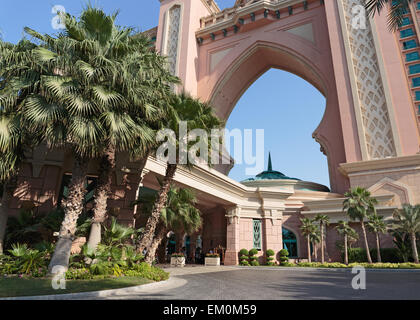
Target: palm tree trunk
[(346, 251), (142, 164), (102, 192), (9, 188), (315, 251), (73, 207), (3, 217), (414, 247), (378, 246), (158, 206), (366, 242), (309, 248), (151, 253), (322, 244)]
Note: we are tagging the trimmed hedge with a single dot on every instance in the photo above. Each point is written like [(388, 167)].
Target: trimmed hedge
[(389, 255), (407, 265)]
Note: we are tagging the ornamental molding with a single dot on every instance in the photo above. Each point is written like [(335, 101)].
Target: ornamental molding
[(369, 97), (231, 16)]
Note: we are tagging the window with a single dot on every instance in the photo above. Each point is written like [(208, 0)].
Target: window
[(290, 243), (257, 234), (409, 44), (412, 56), (415, 68), (406, 33), (416, 82), (417, 95), (90, 186), (405, 22)]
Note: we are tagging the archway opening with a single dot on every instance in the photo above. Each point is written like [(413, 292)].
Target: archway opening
[(290, 243), (289, 109)]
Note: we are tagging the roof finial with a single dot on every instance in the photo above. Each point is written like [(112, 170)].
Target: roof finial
[(270, 166)]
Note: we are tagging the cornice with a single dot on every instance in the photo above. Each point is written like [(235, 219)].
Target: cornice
[(380, 164)]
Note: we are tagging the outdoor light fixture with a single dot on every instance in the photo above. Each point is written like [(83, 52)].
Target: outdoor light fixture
[(290, 10), (225, 32)]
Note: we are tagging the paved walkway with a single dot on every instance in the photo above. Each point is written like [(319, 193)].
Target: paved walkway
[(265, 283)]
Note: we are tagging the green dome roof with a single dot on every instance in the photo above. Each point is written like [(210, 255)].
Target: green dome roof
[(270, 174)]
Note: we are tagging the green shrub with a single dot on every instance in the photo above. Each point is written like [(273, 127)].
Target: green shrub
[(28, 261), (283, 257), (270, 253), (253, 252), (255, 263), (142, 270), (252, 257), (243, 257), (390, 255), (270, 257)]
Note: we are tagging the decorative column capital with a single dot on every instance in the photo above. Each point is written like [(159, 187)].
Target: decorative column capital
[(233, 214)]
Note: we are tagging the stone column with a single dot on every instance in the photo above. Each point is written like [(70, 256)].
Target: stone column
[(272, 235), (232, 237)]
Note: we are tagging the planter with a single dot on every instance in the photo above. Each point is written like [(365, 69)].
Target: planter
[(177, 261), (212, 261)]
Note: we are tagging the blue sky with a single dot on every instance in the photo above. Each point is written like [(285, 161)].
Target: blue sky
[(288, 108)]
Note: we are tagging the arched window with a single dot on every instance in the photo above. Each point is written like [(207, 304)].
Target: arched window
[(290, 243)]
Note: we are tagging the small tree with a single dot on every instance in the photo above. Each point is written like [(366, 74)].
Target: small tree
[(377, 225), (270, 257), (359, 205), (315, 239), (253, 257), (407, 220), (284, 257), (323, 221), (307, 229), (344, 229), (243, 257)]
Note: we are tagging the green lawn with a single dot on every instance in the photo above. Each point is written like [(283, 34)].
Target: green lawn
[(18, 287)]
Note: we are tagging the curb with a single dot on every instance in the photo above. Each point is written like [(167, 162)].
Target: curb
[(326, 269), (93, 294)]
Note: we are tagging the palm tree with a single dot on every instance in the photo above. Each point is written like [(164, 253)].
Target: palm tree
[(179, 215), (315, 237), (308, 228), (89, 103), (377, 225), (407, 220), (197, 115), (138, 95), (396, 12), (323, 221), (359, 205), (348, 232), (15, 139)]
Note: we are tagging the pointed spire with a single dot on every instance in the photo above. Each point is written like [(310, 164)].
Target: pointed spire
[(270, 166)]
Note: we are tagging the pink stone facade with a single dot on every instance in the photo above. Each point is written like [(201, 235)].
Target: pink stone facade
[(369, 133)]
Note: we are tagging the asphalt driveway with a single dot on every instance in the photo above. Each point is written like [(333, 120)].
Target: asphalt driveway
[(264, 283)]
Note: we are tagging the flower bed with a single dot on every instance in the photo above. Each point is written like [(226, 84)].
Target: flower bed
[(407, 265)]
